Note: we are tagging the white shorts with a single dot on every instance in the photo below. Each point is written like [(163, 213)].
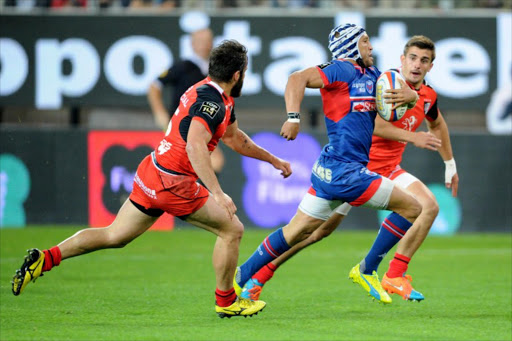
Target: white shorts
[(403, 180), (322, 208)]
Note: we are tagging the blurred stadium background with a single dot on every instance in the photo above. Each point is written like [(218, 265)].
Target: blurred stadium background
[(75, 121)]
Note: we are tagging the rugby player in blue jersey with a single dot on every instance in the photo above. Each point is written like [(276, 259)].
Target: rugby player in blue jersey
[(347, 87)]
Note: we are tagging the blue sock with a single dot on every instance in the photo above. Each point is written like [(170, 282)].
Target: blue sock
[(271, 248), (391, 231)]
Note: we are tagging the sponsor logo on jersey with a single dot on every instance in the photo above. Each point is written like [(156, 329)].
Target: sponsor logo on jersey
[(184, 99), (324, 65), (363, 106), (409, 123), (367, 172), (148, 191), (164, 147), (359, 86), (210, 108), (369, 86), (426, 105)]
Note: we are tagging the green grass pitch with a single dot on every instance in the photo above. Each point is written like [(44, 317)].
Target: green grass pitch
[(161, 287)]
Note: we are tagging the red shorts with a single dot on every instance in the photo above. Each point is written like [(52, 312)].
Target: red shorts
[(159, 189), (395, 173)]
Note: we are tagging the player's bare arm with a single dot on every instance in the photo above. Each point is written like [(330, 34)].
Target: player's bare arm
[(404, 95), (294, 94), (439, 128), (156, 103), (420, 139), (241, 143), (199, 156)]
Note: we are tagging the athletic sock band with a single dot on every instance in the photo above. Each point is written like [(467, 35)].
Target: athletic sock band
[(52, 257)]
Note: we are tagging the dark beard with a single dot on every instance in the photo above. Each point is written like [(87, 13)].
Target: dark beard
[(360, 62), (236, 91)]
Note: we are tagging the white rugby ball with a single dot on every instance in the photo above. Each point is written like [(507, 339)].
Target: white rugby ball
[(388, 80)]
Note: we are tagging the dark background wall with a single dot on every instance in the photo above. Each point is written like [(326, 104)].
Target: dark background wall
[(57, 162)]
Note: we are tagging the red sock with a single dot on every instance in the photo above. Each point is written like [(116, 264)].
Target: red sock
[(398, 266), (265, 273), (52, 257), (225, 298)]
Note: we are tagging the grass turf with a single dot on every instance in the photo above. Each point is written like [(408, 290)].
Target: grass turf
[(161, 287)]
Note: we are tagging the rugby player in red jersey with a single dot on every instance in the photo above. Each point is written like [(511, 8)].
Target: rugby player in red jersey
[(165, 181), (388, 145)]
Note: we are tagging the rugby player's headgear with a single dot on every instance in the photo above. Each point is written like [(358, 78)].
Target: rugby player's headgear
[(343, 41)]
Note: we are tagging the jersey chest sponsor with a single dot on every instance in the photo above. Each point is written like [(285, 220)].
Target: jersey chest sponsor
[(362, 105), (362, 87)]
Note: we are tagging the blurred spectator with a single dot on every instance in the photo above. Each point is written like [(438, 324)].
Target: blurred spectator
[(212, 4), (490, 4), (180, 76), (295, 3), (27, 4), (105, 3), (168, 4), (228, 3), (68, 3)]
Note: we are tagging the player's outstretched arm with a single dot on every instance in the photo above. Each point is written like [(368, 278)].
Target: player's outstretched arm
[(439, 128), (293, 96), (241, 143), (199, 156), (420, 139)]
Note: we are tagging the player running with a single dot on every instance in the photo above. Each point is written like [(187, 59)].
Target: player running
[(347, 87), (165, 181), (388, 145)]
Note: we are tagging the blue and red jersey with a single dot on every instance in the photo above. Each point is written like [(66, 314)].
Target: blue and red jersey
[(348, 99)]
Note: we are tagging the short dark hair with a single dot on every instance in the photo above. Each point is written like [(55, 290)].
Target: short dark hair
[(423, 43), (226, 59)]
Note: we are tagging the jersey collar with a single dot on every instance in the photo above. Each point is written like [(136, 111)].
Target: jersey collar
[(216, 86)]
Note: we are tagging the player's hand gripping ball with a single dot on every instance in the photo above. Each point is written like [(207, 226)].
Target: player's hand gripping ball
[(388, 80)]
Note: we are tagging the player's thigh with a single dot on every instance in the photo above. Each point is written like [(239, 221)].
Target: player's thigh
[(334, 220), (313, 211), (404, 203), (214, 218), (417, 188), (130, 223), (424, 195)]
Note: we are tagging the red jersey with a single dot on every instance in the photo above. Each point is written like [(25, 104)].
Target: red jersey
[(386, 154), (206, 103)]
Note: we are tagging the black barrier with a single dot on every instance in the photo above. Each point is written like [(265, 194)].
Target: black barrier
[(49, 168), (50, 61), (45, 174), (485, 190)]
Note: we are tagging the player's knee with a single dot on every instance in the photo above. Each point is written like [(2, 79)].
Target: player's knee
[(320, 234), (308, 233), (416, 209), (412, 210), (234, 231), (431, 209), (316, 237), (116, 240)]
